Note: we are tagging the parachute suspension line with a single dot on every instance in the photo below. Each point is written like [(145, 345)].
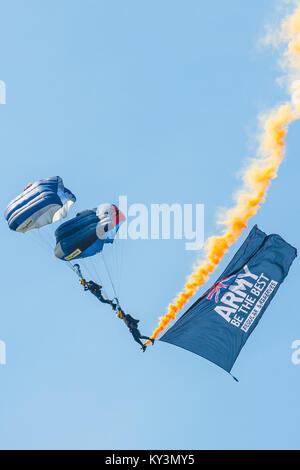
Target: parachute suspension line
[(49, 235), (118, 256), (121, 262), (70, 266), (112, 261), (43, 236), (109, 275), (93, 265), (99, 278), (87, 268), (37, 237)]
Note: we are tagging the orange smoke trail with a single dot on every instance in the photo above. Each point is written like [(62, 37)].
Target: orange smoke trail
[(257, 177)]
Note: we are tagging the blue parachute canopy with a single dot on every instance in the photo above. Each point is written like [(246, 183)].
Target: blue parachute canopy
[(41, 203), (88, 232), (219, 323)]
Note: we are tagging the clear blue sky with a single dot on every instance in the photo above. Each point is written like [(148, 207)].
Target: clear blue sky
[(157, 101)]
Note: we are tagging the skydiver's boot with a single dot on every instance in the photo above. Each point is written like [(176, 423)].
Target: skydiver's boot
[(152, 340), (143, 347)]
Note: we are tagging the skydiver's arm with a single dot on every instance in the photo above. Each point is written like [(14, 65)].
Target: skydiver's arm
[(84, 283)]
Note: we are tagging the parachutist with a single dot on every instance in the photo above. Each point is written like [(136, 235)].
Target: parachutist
[(96, 289), (132, 324)]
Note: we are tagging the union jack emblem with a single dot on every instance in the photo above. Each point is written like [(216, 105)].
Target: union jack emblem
[(216, 289)]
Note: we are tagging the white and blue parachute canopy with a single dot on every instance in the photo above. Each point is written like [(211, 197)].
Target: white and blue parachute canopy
[(86, 234), (41, 203)]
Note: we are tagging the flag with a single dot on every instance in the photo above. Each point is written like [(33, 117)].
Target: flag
[(219, 323)]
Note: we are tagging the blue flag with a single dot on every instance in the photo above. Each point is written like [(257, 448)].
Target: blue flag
[(219, 323)]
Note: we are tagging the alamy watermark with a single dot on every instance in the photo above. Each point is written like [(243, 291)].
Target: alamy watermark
[(296, 353), (2, 92), (2, 353), (163, 222)]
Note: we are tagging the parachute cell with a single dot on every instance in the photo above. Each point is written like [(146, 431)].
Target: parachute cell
[(88, 232), (41, 203)]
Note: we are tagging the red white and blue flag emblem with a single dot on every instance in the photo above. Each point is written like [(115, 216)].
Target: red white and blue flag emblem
[(217, 289)]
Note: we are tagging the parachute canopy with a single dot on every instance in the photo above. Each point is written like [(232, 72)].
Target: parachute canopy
[(41, 203), (86, 234), (219, 323)]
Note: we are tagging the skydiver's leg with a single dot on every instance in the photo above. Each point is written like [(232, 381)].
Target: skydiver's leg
[(147, 337), (106, 301), (140, 336), (101, 298), (138, 341), (137, 335)]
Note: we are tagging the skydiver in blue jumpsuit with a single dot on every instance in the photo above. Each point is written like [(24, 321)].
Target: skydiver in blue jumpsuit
[(132, 324), (96, 289)]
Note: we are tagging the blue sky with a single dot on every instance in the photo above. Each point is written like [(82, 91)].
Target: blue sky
[(156, 101)]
